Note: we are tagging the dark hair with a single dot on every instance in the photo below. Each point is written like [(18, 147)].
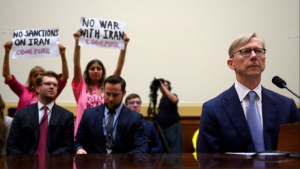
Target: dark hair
[(115, 79), (131, 96), (39, 79), (2, 123), (87, 78)]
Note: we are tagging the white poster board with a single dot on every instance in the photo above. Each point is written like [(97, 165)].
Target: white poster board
[(35, 43), (102, 33)]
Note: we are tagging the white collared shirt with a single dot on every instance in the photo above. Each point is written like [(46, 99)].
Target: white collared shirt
[(105, 119), (41, 110), (243, 91)]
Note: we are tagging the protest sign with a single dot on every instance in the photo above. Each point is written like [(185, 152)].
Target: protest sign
[(102, 33), (35, 43)]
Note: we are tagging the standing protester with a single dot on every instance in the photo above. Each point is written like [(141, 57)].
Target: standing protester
[(88, 87), (27, 94)]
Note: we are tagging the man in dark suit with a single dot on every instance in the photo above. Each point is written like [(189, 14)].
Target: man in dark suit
[(43, 127), (133, 101), (227, 121), (112, 127)]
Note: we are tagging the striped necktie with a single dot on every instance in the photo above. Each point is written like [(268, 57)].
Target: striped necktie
[(42, 146)]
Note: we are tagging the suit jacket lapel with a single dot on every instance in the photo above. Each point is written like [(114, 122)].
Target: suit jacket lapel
[(99, 128), (55, 115), (269, 113), (233, 108), (33, 113), (53, 123)]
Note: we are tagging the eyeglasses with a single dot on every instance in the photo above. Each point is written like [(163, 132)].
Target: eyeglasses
[(47, 84), (247, 52), (135, 102)]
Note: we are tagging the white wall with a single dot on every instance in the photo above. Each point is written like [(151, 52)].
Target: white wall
[(184, 41)]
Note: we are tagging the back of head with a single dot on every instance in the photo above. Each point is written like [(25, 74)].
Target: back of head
[(131, 96), (115, 79), (242, 40), (50, 73)]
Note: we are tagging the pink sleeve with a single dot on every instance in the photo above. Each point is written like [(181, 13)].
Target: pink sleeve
[(77, 89), (61, 85), (15, 86)]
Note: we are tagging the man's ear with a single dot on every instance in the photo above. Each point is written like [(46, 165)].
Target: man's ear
[(230, 64), (37, 89), (124, 93)]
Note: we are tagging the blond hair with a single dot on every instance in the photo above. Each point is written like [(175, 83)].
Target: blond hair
[(242, 40), (32, 71)]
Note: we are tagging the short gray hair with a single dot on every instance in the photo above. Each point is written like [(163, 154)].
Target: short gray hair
[(242, 40)]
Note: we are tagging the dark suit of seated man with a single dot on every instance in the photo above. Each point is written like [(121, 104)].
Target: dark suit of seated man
[(133, 101), (112, 127), (43, 127), (247, 116)]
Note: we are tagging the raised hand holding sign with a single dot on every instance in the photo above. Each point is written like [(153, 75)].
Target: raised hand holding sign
[(35, 43)]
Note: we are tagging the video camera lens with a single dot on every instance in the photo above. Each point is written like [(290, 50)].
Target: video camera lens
[(156, 82)]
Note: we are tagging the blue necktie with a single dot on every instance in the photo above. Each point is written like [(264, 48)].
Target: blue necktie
[(255, 124)]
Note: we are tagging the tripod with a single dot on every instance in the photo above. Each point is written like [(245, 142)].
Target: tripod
[(152, 110)]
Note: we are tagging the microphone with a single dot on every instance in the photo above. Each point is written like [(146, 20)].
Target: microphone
[(281, 84)]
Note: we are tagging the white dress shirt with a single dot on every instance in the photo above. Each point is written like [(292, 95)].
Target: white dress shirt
[(41, 110), (243, 91)]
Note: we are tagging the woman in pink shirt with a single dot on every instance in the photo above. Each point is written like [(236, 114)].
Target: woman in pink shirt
[(27, 94), (88, 88)]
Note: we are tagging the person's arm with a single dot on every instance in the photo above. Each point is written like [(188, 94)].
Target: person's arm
[(77, 67), (295, 113), (65, 70), (156, 146), (140, 141), (6, 70), (209, 135), (14, 138), (170, 95), (121, 59), (81, 135)]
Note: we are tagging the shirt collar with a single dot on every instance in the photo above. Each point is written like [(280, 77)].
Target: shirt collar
[(117, 110), (50, 105), (243, 91)]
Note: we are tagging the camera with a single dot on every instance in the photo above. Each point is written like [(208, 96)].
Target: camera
[(156, 83)]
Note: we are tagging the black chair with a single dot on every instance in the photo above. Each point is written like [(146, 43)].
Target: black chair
[(11, 111)]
